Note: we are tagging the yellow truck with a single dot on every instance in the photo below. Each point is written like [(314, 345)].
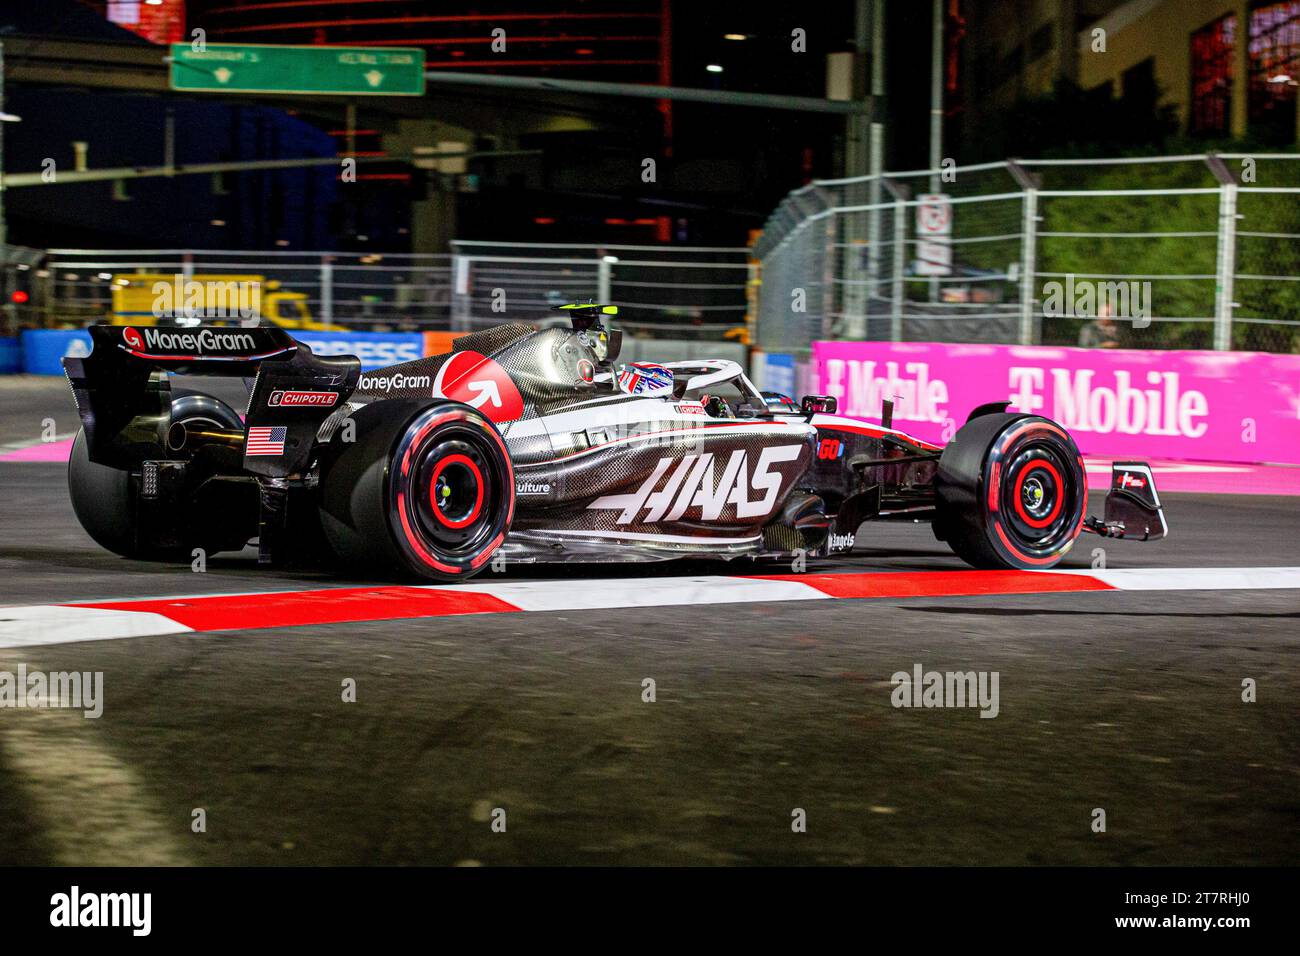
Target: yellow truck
[(141, 298)]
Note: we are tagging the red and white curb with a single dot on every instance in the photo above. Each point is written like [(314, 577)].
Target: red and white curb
[(109, 620)]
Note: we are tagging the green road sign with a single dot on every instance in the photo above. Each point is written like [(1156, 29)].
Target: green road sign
[(236, 68)]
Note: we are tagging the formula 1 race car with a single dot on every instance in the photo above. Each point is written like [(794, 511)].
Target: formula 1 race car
[(535, 446)]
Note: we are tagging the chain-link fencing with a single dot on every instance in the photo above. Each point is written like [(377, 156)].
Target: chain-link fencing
[(1193, 252), (698, 292), (675, 292)]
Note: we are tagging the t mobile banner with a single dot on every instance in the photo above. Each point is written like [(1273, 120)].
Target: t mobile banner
[(1199, 406)]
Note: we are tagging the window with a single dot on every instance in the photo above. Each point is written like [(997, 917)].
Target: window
[(1274, 68), (1212, 76), (1139, 84), (1274, 74)]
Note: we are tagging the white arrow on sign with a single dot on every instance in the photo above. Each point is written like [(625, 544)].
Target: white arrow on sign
[(487, 391)]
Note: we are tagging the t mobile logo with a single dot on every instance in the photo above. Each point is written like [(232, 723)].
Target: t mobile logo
[(691, 485)]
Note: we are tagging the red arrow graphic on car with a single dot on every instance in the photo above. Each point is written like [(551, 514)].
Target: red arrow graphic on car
[(480, 383)]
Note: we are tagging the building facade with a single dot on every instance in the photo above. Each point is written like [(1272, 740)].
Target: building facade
[(1184, 53)]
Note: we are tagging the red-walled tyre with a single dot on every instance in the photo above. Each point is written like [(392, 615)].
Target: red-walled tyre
[(426, 489), (1011, 492)]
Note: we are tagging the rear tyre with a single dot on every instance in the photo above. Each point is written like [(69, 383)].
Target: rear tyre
[(1011, 492), (426, 489), (104, 498)]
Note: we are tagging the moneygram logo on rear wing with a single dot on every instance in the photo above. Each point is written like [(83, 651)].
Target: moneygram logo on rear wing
[(198, 349), (124, 399)]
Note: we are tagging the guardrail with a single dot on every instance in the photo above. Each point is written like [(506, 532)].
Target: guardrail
[(674, 291), (386, 307)]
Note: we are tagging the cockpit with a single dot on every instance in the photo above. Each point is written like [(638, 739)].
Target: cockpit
[(720, 385)]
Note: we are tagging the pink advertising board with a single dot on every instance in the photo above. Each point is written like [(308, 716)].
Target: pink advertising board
[(1195, 406)]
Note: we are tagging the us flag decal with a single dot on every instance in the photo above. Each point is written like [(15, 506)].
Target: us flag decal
[(266, 440)]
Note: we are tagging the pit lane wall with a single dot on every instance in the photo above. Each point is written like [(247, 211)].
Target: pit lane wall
[(1117, 403)]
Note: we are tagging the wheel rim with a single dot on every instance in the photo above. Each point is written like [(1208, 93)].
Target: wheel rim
[(454, 491), (453, 481), (451, 492), (1036, 495)]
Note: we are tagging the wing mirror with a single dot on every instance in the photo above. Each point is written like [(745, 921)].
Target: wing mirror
[(820, 404)]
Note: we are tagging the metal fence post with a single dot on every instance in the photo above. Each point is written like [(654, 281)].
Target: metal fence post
[(604, 273), (828, 279), (1226, 266), (1028, 182), (460, 300), (327, 289), (901, 194), (1028, 265)]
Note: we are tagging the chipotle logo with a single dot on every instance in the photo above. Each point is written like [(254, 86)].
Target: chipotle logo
[(284, 398)]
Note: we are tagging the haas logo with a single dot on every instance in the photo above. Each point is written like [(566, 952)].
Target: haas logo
[(691, 485), (132, 339), (1130, 480), (480, 383)]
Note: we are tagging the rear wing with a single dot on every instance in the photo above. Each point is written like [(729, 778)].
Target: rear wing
[(123, 392)]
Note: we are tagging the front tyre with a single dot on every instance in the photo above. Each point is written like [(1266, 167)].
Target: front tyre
[(426, 488), (1011, 492)]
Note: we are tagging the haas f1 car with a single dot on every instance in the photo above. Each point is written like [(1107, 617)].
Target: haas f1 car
[(534, 445)]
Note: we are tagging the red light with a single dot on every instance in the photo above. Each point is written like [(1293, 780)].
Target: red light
[(19, 296)]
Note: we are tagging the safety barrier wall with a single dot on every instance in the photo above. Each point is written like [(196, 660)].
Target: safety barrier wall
[(1117, 403)]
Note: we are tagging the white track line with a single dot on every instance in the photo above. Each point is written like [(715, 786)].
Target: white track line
[(1199, 579), (53, 624), (642, 592), (56, 624)]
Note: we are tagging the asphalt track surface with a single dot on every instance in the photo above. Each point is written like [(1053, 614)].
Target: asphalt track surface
[(1125, 701)]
